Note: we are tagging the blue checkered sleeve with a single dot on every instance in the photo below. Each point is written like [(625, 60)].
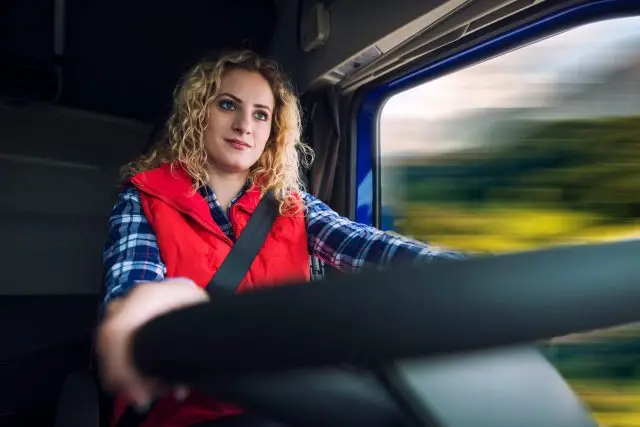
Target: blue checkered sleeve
[(131, 253), (350, 246)]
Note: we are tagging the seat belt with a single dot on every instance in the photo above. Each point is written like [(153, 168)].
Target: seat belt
[(226, 280)]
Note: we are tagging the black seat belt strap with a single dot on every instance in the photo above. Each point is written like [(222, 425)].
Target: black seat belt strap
[(235, 266)]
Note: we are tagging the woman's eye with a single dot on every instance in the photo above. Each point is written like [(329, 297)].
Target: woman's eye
[(261, 115), (226, 104)]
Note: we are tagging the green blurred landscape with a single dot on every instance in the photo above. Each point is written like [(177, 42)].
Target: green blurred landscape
[(564, 182), (541, 184)]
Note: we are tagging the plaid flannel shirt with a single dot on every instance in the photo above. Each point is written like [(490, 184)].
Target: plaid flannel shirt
[(131, 254)]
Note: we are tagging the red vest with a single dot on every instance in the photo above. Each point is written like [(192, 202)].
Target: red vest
[(192, 245)]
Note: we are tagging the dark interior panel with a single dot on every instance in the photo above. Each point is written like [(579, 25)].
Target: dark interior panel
[(120, 57), (58, 169), (49, 338)]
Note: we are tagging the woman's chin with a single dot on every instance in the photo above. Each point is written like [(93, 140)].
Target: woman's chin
[(233, 167)]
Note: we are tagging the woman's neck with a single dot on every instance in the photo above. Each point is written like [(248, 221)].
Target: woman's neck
[(226, 186)]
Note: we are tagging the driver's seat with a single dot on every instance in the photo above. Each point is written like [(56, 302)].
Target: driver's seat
[(80, 402)]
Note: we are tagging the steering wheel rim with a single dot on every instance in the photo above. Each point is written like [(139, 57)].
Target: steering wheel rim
[(480, 303), (472, 304)]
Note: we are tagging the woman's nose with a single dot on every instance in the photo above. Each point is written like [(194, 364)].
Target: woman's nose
[(242, 123)]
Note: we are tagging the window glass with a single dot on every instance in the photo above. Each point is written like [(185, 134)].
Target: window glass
[(534, 148)]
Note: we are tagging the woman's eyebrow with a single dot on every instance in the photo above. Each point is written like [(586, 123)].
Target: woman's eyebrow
[(239, 101)]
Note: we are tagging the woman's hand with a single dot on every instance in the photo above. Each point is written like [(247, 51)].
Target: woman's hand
[(123, 318)]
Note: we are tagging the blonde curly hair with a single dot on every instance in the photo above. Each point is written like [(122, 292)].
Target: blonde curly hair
[(182, 143)]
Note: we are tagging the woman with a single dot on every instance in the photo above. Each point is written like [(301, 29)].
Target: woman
[(234, 134)]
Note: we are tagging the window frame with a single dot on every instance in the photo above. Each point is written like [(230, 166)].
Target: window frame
[(371, 99)]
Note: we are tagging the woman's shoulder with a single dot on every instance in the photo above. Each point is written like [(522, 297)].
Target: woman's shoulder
[(128, 192), (127, 215), (311, 202), (127, 201)]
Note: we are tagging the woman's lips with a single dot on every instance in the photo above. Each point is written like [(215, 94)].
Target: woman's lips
[(238, 144)]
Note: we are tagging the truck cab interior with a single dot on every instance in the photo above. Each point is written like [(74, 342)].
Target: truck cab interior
[(84, 88)]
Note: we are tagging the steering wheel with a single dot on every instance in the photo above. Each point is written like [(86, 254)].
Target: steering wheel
[(429, 344)]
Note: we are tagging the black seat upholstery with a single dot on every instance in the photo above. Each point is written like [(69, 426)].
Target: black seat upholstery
[(79, 403)]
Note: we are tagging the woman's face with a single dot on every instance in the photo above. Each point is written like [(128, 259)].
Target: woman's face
[(239, 122)]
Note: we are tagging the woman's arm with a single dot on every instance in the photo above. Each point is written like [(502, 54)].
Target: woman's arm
[(350, 246), (131, 256), (131, 253)]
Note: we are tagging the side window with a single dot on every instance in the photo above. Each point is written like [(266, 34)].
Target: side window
[(534, 148)]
